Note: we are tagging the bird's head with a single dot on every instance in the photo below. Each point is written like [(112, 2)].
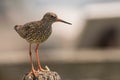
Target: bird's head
[(52, 17)]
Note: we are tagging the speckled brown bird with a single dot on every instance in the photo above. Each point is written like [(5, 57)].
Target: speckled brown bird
[(37, 32)]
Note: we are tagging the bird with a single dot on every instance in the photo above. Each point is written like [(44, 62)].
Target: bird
[(36, 32)]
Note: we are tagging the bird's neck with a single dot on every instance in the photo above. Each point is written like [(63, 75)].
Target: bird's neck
[(47, 22)]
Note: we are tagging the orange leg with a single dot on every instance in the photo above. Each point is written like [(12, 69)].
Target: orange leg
[(30, 54), (38, 59)]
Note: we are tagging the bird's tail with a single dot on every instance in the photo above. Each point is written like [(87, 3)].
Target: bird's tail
[(16, 27), (19, 30)]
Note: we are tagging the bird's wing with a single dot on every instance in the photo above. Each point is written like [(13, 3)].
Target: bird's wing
[(30, 28)]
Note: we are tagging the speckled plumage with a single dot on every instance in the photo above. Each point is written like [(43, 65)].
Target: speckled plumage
[(34, 32)]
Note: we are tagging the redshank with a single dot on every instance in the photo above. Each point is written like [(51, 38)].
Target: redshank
[(37, 32)]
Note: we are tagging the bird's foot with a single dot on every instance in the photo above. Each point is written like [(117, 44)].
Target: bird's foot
[(32, 72), (42, 70)]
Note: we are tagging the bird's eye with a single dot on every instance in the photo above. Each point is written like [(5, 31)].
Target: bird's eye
[(52, 16)]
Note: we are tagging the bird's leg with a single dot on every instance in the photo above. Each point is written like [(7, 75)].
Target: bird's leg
[(33, 70), (38, 59)]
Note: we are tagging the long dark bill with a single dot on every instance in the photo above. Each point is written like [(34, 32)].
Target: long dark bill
[(60, 20)]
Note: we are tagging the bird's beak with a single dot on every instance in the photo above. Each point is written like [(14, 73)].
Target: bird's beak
[(60, 20)]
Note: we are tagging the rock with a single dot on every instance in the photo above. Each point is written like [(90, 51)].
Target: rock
[(49, 75)]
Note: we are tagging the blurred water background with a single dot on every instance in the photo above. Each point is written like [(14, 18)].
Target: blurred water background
[(87, 50)]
